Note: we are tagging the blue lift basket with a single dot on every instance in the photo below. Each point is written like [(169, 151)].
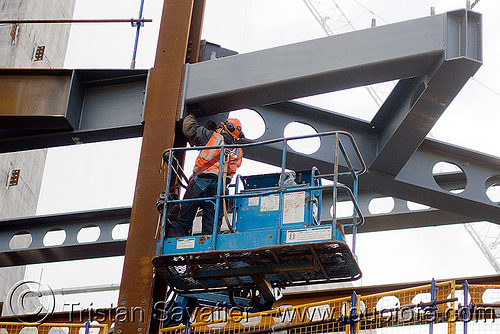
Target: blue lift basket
[(277, 237)]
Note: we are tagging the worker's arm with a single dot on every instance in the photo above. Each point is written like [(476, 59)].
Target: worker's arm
[(196, 134)]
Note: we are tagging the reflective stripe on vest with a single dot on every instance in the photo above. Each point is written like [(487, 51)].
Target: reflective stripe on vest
[(207, 155)]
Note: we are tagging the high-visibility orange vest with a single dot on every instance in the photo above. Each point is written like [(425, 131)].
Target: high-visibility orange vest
[(206, 156)]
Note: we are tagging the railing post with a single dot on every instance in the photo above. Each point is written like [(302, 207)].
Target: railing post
[(335, 179), (281, 189), (451, 313), (353, 314), (163, 218), (466, 305), (218, 197), (433, 299)]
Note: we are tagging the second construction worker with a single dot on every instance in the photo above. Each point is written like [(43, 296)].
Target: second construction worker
[(203, 182)]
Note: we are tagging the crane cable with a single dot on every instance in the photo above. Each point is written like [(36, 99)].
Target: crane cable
[(372, 12), (474, 4), (488, 88)]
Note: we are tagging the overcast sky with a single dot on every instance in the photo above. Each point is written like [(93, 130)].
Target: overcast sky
[(471, 121), (248, 25)]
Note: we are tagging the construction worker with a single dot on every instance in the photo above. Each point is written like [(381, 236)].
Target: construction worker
[(203, 182)]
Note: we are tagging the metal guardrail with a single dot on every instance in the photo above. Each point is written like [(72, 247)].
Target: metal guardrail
[(417, 308), (338, 152), (445, 307)]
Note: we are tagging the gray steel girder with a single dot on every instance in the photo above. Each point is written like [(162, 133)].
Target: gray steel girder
[(400, 217), (415, 182), (47, 108), (433, 57), (407, 49), (36, 228)]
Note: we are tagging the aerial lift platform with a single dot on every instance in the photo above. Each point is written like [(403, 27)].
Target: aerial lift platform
[(276, 236)]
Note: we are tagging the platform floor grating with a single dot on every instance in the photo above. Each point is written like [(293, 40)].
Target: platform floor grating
[(280, 266)]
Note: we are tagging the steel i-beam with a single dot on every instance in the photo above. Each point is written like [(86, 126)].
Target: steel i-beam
[(22, 241), (401, 50)]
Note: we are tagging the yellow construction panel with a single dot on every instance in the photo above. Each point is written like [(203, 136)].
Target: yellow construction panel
[(402, 311), (47, 328)]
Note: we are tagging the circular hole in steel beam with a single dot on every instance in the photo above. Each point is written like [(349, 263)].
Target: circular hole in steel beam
[(412, 206), (88, 234), (344, 209), (304, 145), (54, 237), (120, 231), (252, 123), (449, 177), (20, 240), (493, 189), (379, 205)]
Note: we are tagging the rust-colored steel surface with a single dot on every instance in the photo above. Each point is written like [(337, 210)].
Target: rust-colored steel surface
[(36, 93), (160, 115), (194, 42)]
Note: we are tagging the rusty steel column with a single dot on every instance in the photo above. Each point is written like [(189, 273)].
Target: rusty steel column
[(193, 49), (192, 56), (135, 304)]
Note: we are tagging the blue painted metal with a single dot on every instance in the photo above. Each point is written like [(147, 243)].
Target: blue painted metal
[(466, 305), (433, 300), (217, 200), (164, 217), (353, 313), (277, 223), (138, 25)]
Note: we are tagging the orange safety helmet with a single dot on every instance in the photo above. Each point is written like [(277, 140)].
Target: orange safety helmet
[(233, 127)]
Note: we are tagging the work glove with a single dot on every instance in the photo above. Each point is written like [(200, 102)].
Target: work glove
[(211, 125), (195, 109)]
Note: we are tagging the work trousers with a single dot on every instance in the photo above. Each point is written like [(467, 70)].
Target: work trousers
[(201, 186)]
